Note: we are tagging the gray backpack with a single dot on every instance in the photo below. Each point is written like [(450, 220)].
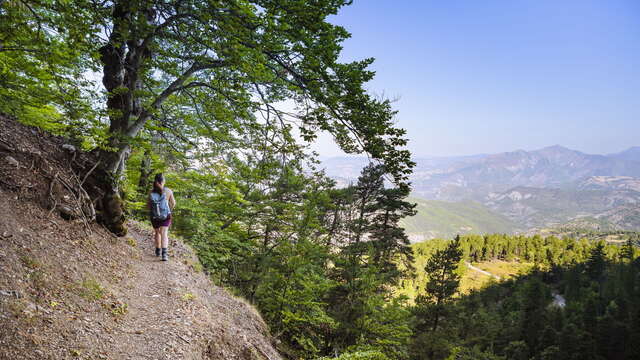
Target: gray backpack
[(159, 207)]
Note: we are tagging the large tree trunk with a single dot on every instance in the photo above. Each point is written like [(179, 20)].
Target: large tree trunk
[(111, 204), (122, 58), (145, 172)]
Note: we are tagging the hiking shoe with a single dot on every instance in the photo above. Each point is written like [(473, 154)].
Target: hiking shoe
[(157, 251), (165, 256)]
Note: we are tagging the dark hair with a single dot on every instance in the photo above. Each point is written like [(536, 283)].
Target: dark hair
[(159, 179)]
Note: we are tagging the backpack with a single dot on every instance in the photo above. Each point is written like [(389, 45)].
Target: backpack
[(159, 206)]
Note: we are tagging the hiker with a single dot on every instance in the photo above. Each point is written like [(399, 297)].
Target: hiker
[(160, 203)]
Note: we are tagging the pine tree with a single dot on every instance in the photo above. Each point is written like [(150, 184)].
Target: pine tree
[(389, 240), (627, 251), (442, 284), (535, 299), (596, 262), (443, 278), (373, 255)]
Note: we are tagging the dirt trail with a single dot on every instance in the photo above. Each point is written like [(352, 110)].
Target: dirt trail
[(173, 312), (159, 301), (481, 271), (137, 308)]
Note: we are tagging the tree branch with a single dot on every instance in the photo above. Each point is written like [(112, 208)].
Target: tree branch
[(133, 130)]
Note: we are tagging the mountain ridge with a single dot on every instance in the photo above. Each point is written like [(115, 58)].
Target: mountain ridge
[(537, 188)]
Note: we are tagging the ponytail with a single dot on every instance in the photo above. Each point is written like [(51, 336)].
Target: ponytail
[(157, 183)]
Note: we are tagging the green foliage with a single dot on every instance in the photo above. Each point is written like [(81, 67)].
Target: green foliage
[(290, 295), (359, 355), (459, 353), (596, 263), (518, 317), (91, 289), (441, 268), (442, 219), (44, 50), (285, 240)]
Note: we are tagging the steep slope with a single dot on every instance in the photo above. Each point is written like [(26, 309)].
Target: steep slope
[(71, 290), (441, 219)]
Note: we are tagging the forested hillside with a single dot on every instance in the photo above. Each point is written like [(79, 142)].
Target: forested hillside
[(442, 219), (69, 289), (579, 301)]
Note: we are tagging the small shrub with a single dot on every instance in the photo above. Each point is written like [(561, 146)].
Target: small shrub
[(16, 307), (131, 241), (119, 308), (194, 265), (360, 355), (30, 262), (75, 352), (188, 296), (90, 289), (38, 279)]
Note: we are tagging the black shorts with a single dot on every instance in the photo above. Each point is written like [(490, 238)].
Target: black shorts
[(158, 223)]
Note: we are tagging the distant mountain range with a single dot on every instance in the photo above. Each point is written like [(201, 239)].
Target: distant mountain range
[(532, 189)]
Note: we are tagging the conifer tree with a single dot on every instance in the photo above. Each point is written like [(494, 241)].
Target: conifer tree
[(443, 278), (596, 263), (627, 251), (442, 284), (372, 245), (535, 298)]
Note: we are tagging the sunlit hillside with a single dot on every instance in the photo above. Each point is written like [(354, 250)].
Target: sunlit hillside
[(442, 219)]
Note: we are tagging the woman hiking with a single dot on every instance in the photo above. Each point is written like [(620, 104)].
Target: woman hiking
[(160, 203)]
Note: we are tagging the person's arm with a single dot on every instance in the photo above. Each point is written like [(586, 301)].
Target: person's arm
[(172, 200)]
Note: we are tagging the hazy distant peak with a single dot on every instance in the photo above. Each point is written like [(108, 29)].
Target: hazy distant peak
[(557, 149), (631, 154)]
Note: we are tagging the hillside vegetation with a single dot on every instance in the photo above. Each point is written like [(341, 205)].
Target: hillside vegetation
[(441, 219), (224, 98)]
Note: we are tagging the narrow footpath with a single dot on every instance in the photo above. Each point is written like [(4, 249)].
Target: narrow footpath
[(481, 271), (173, 312)]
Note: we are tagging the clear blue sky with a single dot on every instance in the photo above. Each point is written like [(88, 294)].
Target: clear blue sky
[(497, 75)]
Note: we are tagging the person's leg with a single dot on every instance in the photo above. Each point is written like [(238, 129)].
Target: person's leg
[(157, 237), (164, 231)]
